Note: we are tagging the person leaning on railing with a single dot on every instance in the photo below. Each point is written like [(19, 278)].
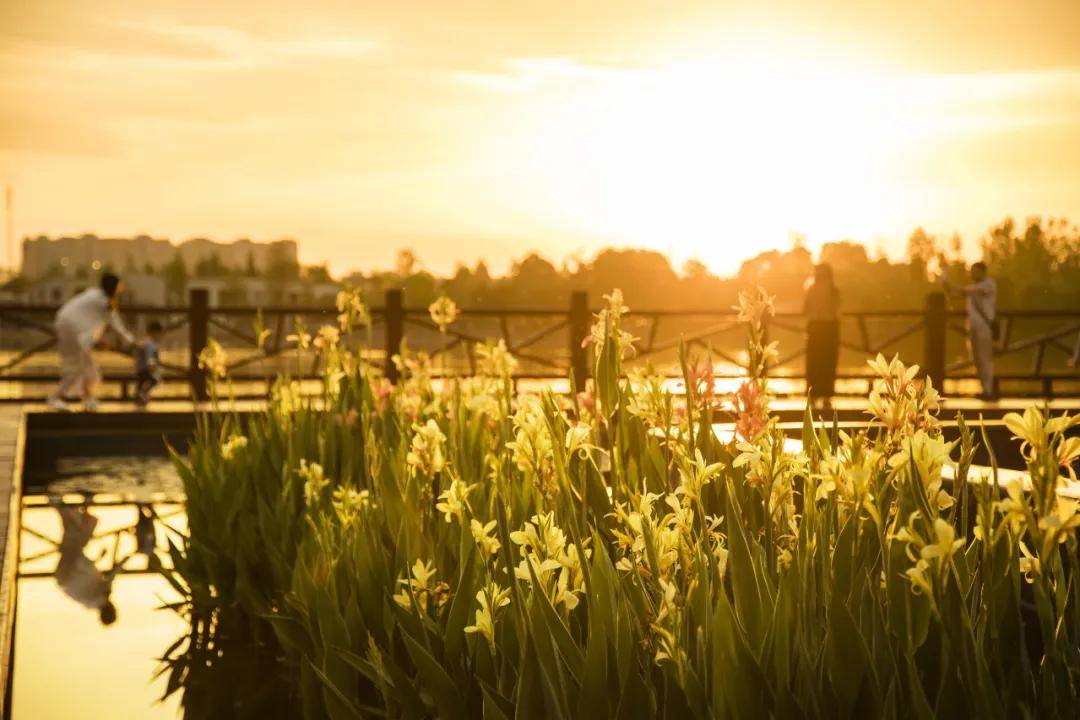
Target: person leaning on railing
[(79, 324), (821, 307)]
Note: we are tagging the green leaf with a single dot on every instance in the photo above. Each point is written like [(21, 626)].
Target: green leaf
[(568, 649), (745, 578), (338, 705), (593, 699), (447, 695), (462, 603)]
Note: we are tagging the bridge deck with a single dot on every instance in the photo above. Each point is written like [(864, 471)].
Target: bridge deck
[(12, 438), (950, 405)]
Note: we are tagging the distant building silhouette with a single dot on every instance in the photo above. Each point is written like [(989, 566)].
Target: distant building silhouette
[(44, 256), (140, 289), (151, 290)]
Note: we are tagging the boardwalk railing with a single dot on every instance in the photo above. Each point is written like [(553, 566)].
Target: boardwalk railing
[(260, 344)]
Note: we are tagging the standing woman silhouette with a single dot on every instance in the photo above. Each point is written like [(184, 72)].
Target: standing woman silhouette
[(821, 306)]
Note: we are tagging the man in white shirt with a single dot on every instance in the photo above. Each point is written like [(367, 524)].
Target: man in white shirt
[(76, 574), (79, 324), (980, 297)]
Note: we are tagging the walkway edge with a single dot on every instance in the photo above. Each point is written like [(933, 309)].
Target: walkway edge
[(10, 568)]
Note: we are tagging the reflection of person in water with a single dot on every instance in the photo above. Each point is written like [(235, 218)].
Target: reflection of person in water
[(145, 533), (76, 574)]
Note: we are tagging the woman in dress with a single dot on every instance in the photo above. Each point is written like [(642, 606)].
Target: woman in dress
[(821, 307)]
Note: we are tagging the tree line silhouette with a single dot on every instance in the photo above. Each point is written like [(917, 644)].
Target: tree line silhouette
[(1036, 265)]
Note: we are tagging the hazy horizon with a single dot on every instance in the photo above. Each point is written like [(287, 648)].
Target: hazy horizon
[(468, 131)]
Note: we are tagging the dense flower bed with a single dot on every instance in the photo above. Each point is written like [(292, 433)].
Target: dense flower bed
[(450, 549)]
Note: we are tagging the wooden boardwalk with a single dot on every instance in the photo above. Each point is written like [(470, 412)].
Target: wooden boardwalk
[(12, 441)]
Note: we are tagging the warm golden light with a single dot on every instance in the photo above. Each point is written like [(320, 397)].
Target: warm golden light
[(717, 160), (707, 131), (721, 159)]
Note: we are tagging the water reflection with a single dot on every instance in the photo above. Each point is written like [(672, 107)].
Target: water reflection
[(90, 550), (76, 574)]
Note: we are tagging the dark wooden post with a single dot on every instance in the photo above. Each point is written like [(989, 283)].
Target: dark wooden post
[(395, 330), (934, 339), (578, 320), (198, 322)]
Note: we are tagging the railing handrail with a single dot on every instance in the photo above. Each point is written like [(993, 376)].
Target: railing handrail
[(141, 309), (934, 322)]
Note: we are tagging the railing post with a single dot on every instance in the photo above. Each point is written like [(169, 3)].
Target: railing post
[(395, 330), (578, 323), (198, 322), (934, 339)]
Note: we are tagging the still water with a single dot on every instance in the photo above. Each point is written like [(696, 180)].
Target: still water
[(68, 663)]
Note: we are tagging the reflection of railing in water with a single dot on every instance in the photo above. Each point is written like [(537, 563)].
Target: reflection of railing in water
[(547, 342), (150, 523)]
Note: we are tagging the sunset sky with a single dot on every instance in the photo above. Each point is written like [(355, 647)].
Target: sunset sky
[(470, 130)]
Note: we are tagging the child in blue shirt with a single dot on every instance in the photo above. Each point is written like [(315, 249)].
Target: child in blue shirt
[(148, 364)]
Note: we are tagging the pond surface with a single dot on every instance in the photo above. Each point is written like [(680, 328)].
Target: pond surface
[(67, 663)]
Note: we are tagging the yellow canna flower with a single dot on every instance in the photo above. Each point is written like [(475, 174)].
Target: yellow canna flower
[(300, 336), (577, 437), (495, 360), (232, 446), (315, 481), (1068, 452), (453, 501), (427, 449), (945, 542), (422, 587), (327, 337), (1030, 567), (348, 503), (214, 360), (484, 536), (1064, 516), (919, 581), (491, 599), (443, 312)]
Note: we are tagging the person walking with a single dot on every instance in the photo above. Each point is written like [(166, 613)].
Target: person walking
[(79, 324), (821, 307), (980, 298)]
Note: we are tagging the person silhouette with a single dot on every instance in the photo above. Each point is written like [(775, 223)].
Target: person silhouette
[(79, 324), (821, 307), (76, 574), (980, 298), (145, 532)]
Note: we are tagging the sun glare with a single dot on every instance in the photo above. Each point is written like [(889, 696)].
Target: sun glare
[(716, 160)]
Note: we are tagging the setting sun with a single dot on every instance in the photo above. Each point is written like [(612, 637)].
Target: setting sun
[(700, 159)]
